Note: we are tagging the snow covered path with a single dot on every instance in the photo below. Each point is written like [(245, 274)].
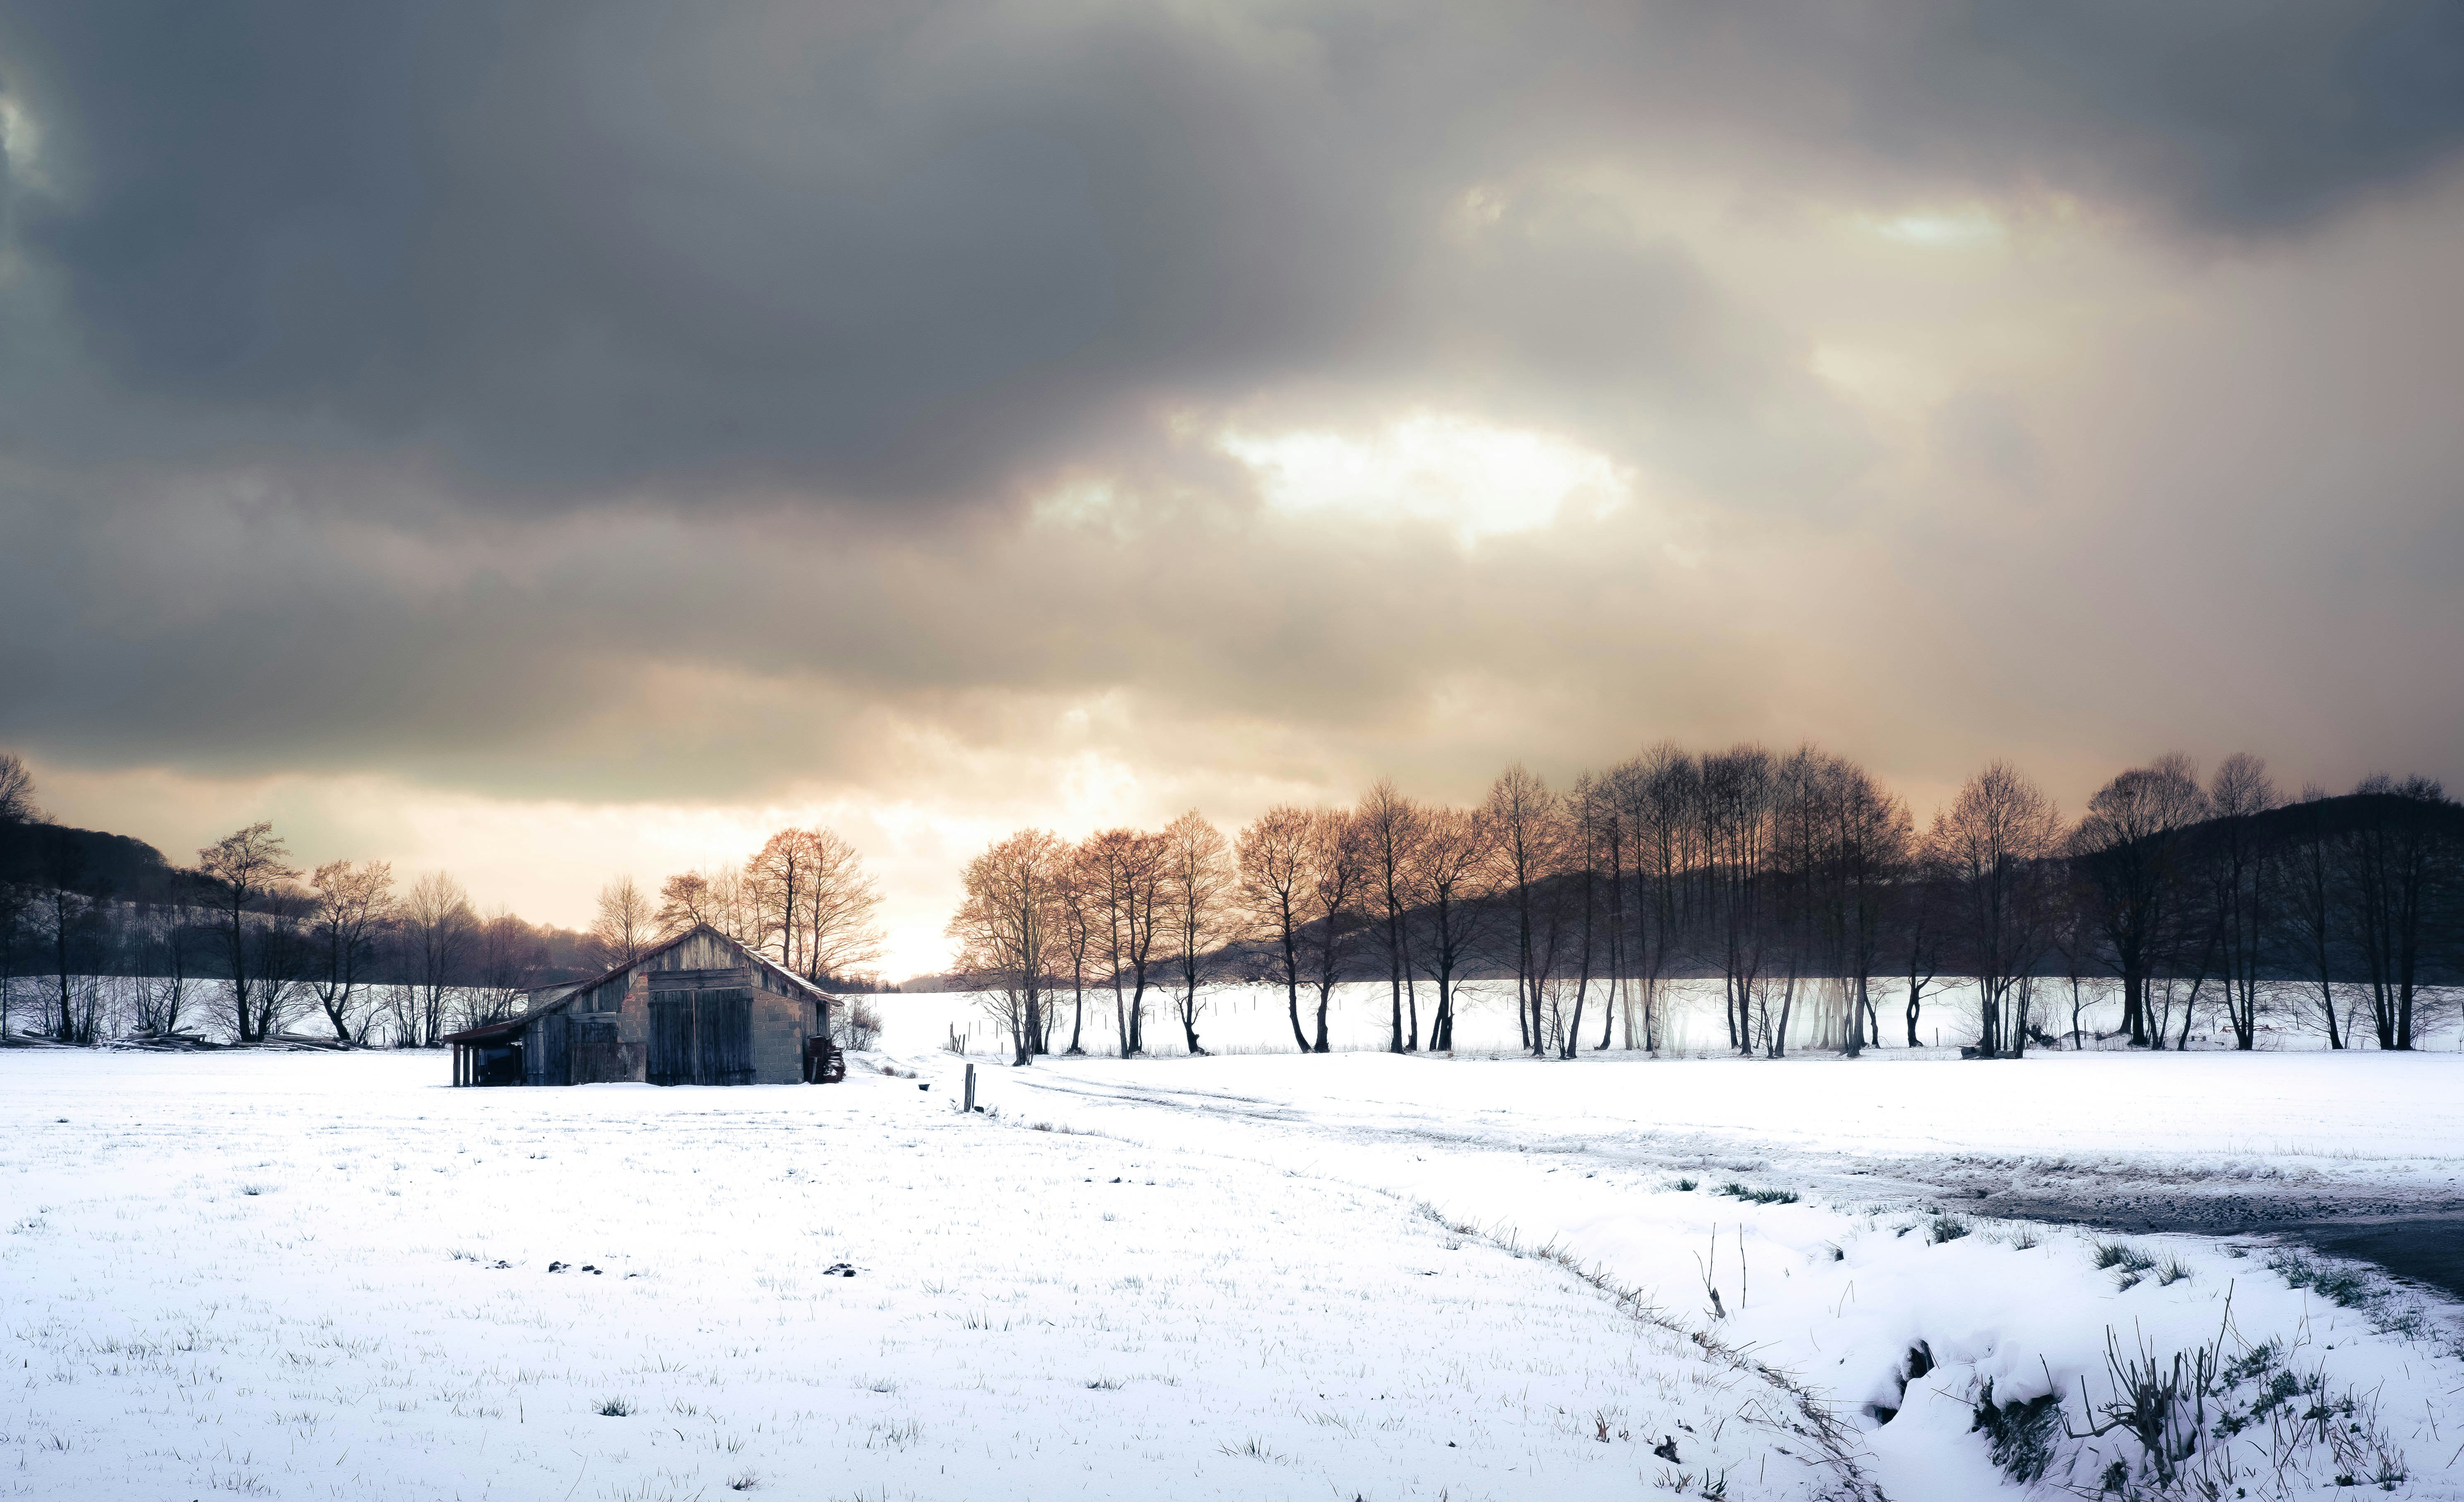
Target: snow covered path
[(2267, 1135), (1876, 1259), (324, 1277)]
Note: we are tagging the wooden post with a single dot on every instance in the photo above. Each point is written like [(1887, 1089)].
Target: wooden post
[(971, 1087)]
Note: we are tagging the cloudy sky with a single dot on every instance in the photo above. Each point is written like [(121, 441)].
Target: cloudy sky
[(553, 441)]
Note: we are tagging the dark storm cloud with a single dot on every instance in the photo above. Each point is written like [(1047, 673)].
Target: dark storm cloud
[(594, 249), (538, 255), (2236, 117), (361, 366)]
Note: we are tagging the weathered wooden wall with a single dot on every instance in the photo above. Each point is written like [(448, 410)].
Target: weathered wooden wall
[(605, 1033)]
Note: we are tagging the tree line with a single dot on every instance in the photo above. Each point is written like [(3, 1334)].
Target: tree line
[(250, 943), (1794, 879)]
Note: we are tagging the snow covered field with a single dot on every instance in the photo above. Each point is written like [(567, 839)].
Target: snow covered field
[(280, 1276), (308, 1275), (1877, 1256)]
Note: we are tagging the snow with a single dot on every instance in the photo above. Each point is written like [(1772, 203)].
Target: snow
[(1251, 1276), (314, 1276), (1840, 1285)]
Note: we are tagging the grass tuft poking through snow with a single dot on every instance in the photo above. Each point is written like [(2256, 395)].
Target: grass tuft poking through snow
[(2124, 1260), (1735, 1190), (2343, 1287)]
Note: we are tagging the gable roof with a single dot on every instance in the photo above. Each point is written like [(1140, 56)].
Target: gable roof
[(564, 993), (547, 998)]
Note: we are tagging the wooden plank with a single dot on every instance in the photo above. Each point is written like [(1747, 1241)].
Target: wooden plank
[(726, 1037), (671, 1039), (726, 978)]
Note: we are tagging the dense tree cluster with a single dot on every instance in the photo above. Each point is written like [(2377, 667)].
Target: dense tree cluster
[(248, 944), (1793, 880)]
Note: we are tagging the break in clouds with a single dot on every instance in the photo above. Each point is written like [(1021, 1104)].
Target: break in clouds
[(984, 414)]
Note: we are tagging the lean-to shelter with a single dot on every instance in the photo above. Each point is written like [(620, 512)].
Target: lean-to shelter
[(697, 1010)]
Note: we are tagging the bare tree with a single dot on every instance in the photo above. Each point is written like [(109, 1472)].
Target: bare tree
[(166, 954), (242, 870), (72, 929), (1199, 884), (2239, 853), (1995, 843), (15, 899), (1528, 822), (1131, 864), (17, 791), (1799, 873), (685, 904), (1006, 927), (2398, 862), (2129, 848), (1590, 831), (737, 907), (437, 930), (1335, 875), (1453, 874), (1078, 896), (2307, 894), (1274, 855), (353, 903), (816, 904), (1390, 824), (1660, 796), (1874, 851), (1837, 851), (1619, 988), (1925, 914), (625, 926), (2075, 941), (840, 912), (1734, 812), (285, 956), (506, 961)]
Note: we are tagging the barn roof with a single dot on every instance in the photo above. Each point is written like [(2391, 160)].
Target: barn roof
[(563, 994), (488, 1032)]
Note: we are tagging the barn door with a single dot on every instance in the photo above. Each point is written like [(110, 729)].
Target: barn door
[(726, 1037), (672, 1038)]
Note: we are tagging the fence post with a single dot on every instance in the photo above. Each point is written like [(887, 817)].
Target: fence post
[(971, 1088)]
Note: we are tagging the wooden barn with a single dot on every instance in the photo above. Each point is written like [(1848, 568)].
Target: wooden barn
[(699, 1010)]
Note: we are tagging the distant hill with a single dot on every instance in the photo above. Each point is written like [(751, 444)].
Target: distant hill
[(90, 861)]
